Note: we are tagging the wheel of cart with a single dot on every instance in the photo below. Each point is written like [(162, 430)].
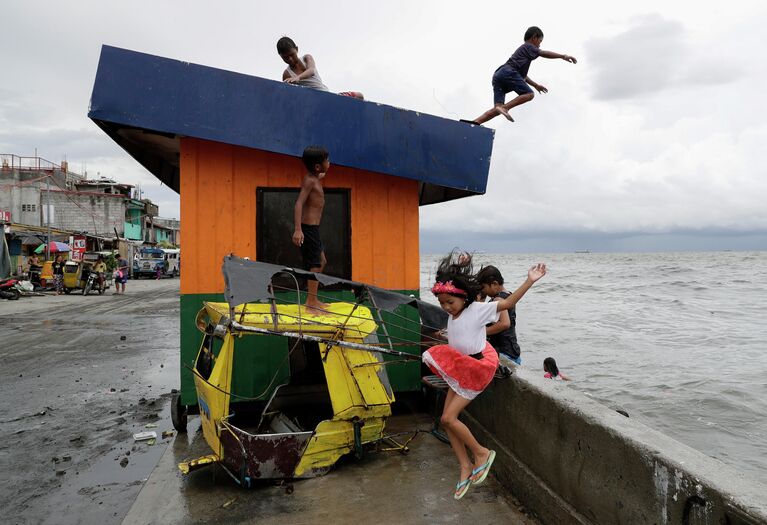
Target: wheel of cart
[(178, 411)]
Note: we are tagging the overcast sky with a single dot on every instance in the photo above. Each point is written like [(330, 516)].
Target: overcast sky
[(653, 140)]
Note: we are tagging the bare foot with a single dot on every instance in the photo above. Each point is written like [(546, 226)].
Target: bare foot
[(502, 110), (317, 307)]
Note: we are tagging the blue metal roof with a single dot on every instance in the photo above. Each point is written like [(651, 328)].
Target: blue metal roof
[(145, 103)]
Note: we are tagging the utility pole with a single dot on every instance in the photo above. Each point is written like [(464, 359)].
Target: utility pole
[(48, 216)]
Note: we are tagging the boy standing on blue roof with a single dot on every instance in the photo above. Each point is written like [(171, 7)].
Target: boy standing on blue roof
[(307, 216), (512, 76)]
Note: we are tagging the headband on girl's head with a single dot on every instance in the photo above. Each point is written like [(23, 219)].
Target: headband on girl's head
[(446, 287)]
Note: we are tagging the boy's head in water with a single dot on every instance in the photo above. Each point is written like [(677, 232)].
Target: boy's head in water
[(491, 281), (534, 36), (288, 51)]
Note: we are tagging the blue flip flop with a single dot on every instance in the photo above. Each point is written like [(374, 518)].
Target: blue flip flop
[(462, 488), (479, 474)]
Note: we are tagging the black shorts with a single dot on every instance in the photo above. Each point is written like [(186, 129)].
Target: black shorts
[(312, 248)]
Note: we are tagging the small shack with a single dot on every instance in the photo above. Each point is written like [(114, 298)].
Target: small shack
[(230, 144)]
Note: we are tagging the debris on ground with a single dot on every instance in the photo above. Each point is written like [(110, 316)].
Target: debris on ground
[(151, 425), (168, 434), (144, 436), (151, 441), (38, 413), (123, 338), (225, 505), (124, 462)]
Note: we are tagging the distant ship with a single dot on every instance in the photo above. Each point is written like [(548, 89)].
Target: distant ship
[(582, 251)]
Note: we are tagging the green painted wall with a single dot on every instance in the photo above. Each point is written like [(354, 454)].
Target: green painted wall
[(132, 225), (260, 362)]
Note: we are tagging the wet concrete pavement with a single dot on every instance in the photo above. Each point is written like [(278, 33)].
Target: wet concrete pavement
[(80, 375), (383, 487)]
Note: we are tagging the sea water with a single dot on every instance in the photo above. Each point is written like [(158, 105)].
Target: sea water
[(678, 340)]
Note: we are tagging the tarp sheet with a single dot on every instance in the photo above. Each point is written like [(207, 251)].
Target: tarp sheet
[(250, 281)]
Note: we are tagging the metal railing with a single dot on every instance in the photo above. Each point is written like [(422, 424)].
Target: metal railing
[(9, 161)]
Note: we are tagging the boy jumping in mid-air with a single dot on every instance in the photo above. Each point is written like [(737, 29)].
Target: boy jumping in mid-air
[(302, 71), (512, 76), (307, 216)]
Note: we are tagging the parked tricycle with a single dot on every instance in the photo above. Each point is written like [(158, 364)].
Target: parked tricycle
[(79, 275)]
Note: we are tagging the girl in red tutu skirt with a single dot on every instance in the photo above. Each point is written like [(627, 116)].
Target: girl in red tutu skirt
[(467, 362)]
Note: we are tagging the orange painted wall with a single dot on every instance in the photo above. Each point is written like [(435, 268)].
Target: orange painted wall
[(218, 213)]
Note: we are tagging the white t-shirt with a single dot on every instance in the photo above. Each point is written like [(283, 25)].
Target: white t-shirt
[(467, 334)]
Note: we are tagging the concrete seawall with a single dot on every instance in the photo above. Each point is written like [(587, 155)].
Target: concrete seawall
[(571, 459)]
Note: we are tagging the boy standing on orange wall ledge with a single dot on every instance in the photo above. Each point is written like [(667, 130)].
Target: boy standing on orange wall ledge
[(307, 216)]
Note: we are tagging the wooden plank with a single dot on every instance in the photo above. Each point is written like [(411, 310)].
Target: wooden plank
[(411, 240), (189, 197)]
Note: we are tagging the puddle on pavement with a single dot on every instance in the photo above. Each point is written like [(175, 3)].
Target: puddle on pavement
[(142, 458), (105, 491)]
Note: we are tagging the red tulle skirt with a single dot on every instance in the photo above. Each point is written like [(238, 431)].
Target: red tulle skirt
[(466, 376)]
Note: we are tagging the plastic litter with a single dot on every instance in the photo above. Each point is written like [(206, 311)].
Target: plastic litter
[(144, 436)]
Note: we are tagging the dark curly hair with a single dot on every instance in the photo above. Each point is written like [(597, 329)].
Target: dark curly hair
[(457, 267)]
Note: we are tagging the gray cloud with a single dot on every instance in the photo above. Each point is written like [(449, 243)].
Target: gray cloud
[(577, 160), (653, 55), (57, 143), (642, 59)]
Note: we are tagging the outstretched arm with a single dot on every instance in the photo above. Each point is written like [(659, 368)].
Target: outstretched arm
[(552, 54), (533, 274)]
